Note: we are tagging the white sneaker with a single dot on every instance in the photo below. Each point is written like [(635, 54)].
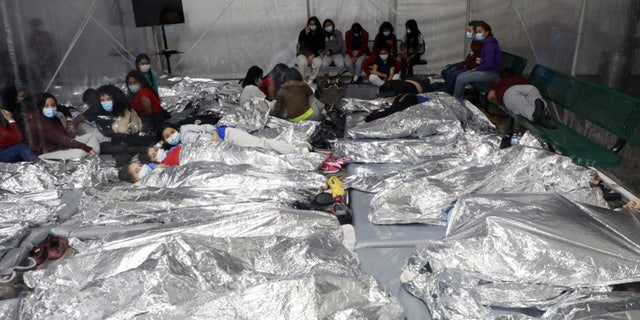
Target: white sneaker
[(355, 79)]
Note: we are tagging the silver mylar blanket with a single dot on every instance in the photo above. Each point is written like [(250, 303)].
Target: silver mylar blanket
[(522, 251), (257, 264), (227, 153), (420, 194)]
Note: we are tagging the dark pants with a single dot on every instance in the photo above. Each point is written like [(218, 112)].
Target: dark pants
[(407, 67), (450, 75), (17, 152)]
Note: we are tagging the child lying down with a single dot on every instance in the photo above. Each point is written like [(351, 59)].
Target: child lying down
[(157, 157)]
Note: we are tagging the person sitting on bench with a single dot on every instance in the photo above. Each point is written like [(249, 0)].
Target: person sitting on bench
[(518, 96), (384, 68)]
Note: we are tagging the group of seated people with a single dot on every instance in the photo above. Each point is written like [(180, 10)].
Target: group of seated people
[(321, 47), (39, 127)]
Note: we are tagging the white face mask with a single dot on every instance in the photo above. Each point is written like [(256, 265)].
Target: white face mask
[(174, 139), (312, 27), (328, 28), (145, 68), (145, 170), (384, 57), (161, 155)]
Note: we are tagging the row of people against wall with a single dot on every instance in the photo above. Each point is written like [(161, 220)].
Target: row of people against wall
[(40, 127), (321, 46)]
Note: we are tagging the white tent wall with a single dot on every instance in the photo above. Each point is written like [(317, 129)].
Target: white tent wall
[(92, 42), (97, 40)]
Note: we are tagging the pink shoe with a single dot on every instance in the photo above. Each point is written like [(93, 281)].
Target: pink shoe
[(330, 167), (340, 161)]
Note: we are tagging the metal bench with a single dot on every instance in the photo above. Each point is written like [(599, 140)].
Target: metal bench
[(610, 110)]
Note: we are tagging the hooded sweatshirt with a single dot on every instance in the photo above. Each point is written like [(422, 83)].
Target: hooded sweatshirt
[(293, 97), (491, 56)]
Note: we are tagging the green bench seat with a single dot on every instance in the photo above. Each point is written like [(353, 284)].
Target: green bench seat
[(611, 110)]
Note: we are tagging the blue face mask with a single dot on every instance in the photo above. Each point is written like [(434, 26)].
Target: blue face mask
[(49, 112), (107, 105), (479, 36), (174, 140), (328, 29), (134, 88), (145, 170), (161, 155), (312, 27), (386, 33), (469, 35)]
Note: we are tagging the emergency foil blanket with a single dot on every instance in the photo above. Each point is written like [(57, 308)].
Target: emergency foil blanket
[(257, 264), (530, 251), (422, 193)]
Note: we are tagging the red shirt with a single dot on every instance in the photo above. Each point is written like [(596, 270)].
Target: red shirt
[(505, 83), (475, 52), (137, 101), (10, 136), (266, 83), (364, 48), (173, 157), (391, 42)]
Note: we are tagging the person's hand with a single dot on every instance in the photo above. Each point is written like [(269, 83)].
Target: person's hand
[(161, 166), (354, 60), (7, 115), (71, 129), (327, 53), (405, 56), (306, 29), (310, 58), (491, 95), (92, 152)]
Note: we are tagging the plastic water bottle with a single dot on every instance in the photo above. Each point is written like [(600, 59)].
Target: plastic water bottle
[(515, 138)]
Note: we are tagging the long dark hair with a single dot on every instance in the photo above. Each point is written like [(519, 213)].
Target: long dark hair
[(91, 97), (144, 83), (413, 37), (486, 27), (140, 57), (42, 99), (120, 101), (317, 21), (292, 74), (277, 74), (252, 74), (385, 25)]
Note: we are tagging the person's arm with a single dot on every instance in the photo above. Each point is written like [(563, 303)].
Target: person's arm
[(79, 119), (11, 135), (57, 135), (374, 70), (340, 39), (392, 71), (71, 128), (147, 110), (365, 44), (490, 50), (278, 106), (348, 43)]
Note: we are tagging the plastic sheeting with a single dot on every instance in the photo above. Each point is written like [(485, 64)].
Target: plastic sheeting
[(421, 194), (529, 251)]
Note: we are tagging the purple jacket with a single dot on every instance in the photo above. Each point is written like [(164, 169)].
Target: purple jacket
[(491, 56)]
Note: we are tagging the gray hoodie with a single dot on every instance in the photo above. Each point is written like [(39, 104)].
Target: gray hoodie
[(334, 42)]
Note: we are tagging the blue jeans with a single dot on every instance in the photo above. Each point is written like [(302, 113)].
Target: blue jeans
[(450, 75), (17, 152), (472, 76)]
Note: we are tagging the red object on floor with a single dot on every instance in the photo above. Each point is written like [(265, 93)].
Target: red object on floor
[(56, 247)]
